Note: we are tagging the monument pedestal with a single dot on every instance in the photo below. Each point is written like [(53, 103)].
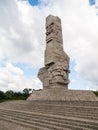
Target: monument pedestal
[(61, 94)]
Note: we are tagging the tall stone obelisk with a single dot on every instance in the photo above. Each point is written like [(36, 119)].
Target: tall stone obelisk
[(56, 70)]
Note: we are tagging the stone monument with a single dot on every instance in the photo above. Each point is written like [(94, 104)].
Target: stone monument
[(54, 76), (56, 70)]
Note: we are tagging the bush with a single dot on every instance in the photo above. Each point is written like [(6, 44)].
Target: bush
[(2, 95), (96, 93)]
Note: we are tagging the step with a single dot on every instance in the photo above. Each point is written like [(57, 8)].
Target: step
[(61, 106), (69, 103), (44, 118), (61, 103), (62, 109), (92, 115), (36, 127), (74, 114), (40, 124), (65, 109), (92, 124)]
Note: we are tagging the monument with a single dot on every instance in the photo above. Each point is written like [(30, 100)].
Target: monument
[(54, 76), (55, 107), (56, 70)]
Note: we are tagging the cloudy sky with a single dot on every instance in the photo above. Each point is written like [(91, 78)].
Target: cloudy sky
[(22, 41)]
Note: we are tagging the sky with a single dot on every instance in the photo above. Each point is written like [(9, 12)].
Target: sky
[(22, 41)]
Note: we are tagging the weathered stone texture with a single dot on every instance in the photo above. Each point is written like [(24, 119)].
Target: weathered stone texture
[(56, 70), (58, 94)]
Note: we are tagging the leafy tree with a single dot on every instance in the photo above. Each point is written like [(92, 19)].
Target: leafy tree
[(2, 95), (27, 91), (9, 94)]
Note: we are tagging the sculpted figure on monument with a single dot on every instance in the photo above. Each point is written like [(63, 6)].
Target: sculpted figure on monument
[(58, 73), (56, 70)]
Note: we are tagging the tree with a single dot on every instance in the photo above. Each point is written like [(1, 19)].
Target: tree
[(2, 95), (27, 91), (9, 94)]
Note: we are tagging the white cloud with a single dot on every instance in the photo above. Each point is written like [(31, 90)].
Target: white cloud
[(22, 34), (13, 78), (81, 39), (20, 37)]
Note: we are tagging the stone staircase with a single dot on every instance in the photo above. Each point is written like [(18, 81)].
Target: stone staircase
[(49, 115)]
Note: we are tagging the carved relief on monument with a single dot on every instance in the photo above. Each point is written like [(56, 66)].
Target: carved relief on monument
[(43, 75), (53, 30), (58, 73)]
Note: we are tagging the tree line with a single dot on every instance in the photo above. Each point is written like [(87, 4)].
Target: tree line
[(11, 95)]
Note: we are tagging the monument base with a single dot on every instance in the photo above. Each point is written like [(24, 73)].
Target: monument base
[(58, 94)]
